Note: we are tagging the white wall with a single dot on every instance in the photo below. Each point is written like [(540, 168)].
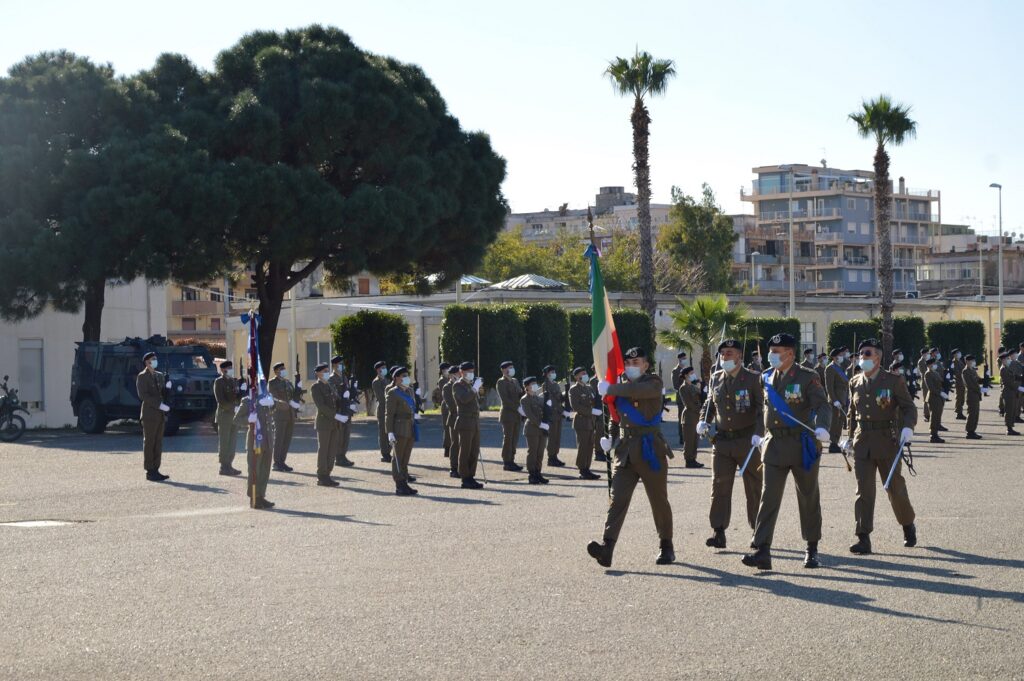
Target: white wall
[(126, 313)]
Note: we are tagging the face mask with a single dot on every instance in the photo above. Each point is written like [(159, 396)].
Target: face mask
[(633, 373), (694, 378), (972, 365), (283, 374), (775, 359), (899, 358), (229, 372), (153, 363), (469, 376), (583, 378), (383, 372), (407, 381), (340, 369), (756, 359), (867, 365), (552, 376), (511, 372), (938, 356), (956, 355), (684, 363), (729, 364), (322, 376), (535, 389)]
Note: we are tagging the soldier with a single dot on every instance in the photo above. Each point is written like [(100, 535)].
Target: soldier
[(339, 382), (1018, 364), (736, 405), (837, 387), (677, 382), (956, 368), (690, 397), (755, 361), (225, 391), (820, 365), (879, 405), (150, 385), (972, 395), (922, 369), (788, 449), (553, 401), (448, 398), (510, 393), (936, 397), (437, 397), (467, 422), (326, 401), (999, 363), (532, 404), (259, 463), (808, 362), (581, 399), (380, 386), (599, 416), (285, 410), (641, 455), (1010, 388), (400, 420)]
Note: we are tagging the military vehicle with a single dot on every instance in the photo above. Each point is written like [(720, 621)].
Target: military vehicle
[(103, 382)]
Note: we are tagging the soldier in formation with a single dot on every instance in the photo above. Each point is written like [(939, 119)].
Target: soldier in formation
[(1009, 378), (326, 401), (972, 396), (346, 398), (531, 405), (400, 420), (285, 411), (936, 397), (260, 437), (837, 387), (379, 387), (228, 396), (689, 396), (581, 400), (677, 382), (466, 394), (150, 385), (510, 393), (553, 401)]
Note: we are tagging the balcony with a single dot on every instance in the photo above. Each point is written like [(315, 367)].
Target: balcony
[(195, 308), (830, 237), (910, 216), (781, 286), (802, 214), (829, 287), (913, 239)]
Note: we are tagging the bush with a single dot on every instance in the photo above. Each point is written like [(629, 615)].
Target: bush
[(501, 337), (547, 338), (217, 350), (966, 334), (581, 347), (851, 332), (633, 328), (366, 337), (763, 328), (907, 334), (1013, 333)]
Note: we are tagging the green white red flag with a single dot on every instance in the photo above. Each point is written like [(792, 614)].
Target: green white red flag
[(608, 364)]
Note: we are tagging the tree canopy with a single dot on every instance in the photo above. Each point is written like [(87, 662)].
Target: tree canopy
[(699, 234)]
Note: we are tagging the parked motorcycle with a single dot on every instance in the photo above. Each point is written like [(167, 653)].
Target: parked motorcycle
[(12, 424)]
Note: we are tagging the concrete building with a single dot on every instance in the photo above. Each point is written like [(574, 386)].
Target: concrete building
[(38, 353), (964, 263), (831, 215)]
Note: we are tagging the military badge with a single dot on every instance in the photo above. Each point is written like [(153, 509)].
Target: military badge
[(793, 394), (742, 400), (884, 398)]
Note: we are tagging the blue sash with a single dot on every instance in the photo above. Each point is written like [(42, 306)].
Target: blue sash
[(807, 445), (841, 373), (626, 407), (411, 401)]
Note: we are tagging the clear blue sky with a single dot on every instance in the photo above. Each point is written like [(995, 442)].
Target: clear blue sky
[(758, 82)]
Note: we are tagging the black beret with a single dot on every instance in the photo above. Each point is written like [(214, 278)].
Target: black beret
[(809, 351), (924, 351), (1022, 345), (954, 351), (445, 366), (398, 371), (466, 366), (454, 369), (148, 356), (319, 368), (929, 361), (226, 364), (547, 369), (729, 343), (528, 380), (635, 353), (845, 348), (896, 351), (869, 343), (755, 353), (1001, 349), (682, 355), (687, 371), (968, 358), (279, 365), (835, 352), (934, 350), (336, 359), (822, 355), (577, 371), (506, 364), (380, 364), (782, 340), (1003, 355)]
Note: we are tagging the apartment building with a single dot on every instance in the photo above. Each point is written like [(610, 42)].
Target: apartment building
[(962, 263)]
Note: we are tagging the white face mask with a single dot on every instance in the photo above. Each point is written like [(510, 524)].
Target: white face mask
[(340, 369), (728, 364), (972, 364), (469, 376), (938, 356), (694, 378), (583, 378), (866, 365), (284, 373), (229, 372), (535, 389), (153, 364), (553, 376), (511, 372), (684, 363), (322, 376), (382, 371), (406, 381), (633, 373), (774, 359), (899, 358)]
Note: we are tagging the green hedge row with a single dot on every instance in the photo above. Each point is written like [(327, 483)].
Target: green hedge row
[(966, 334), (1013, 333), (366, 338), (908, 333), (763, 328)]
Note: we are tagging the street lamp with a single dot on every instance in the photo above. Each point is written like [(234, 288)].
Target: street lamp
[(752, 256), (792, 260), (996, 185)]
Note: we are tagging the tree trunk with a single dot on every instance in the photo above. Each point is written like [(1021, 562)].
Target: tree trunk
[(641, 121), (883, 200), (95, 292), (270, 289)]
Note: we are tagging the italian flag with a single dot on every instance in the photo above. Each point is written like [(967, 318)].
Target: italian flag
[(608, 364)]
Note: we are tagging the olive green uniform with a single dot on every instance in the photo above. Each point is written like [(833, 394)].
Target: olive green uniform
[(880, 408), (446, 437), (448, 399), (922, 369), (225, 391), (956, 368), (467, 424), (399, 420), (803, 392), (736, 407), (258, 463), (340, 385), (972, 396), (553, 393), (283, 392), (533, 405), (510, 392), (380, 386), (150, 386), (326, 401), (599, 425), (837, 387), (677, 383), (689, 395), (630, 468), (933, 390), (581, 399), (1010, 381)]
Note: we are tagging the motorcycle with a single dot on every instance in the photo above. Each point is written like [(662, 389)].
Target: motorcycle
[(12, 424)]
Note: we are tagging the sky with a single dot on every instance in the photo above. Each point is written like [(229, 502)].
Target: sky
[(758, 83)]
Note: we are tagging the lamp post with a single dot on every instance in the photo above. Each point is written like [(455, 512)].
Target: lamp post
[(752, 256), (999, 265)]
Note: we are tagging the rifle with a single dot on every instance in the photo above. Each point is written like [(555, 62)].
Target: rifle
[(298, 391), (566, 404)]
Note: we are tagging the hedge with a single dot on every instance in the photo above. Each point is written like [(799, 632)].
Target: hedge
[(217, 350), (502, 337), (966, 334), (1013, 333), (764, 328), (633, 328), (907, 333), (547, 338), (581, 348), (850, 332), (366, 337)]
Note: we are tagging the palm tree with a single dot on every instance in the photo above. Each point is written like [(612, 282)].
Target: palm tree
[(642, 75), (888, 123), (704, 323)]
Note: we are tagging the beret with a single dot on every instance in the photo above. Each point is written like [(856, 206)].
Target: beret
[(380, 364), (729, 343), (506, 364), (336, 359), (454, 369), (319, 368), (278, 365), (896, 351), (398, 371), (954, 351), (547, 369), (929, 361), (226, 364), (148, 356), (934, 350), (968, 357), (809, 351), (1003, 355), (869, 343), (687, 371), (529, 379), (835, 352), (635, 353), (682, 355), (924, 351), (782, 340), (445, 366), (466, 366), (577, 371)]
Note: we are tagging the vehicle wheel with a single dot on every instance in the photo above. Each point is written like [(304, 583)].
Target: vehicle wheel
[(12, 428), (171, 424), (90, 417)]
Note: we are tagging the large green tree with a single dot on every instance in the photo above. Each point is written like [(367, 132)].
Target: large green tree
[(888, 123), (704, 323), (641, 76), (699, 234)]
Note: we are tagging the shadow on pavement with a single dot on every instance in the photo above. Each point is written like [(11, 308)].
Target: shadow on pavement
[(195, 488), (324, 516)]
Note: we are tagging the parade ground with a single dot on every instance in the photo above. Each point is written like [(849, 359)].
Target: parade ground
[(181, 580)]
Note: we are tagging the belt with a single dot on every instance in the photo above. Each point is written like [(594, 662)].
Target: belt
[(876, 425), (785, 432), (737, 434), (637, 431)]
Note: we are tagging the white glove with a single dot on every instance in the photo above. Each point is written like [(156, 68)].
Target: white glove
[(606, 444), (566, 414), (164, 407), (298, 384), (1020, 389), (548, 403), (242, 385), (477, 383), (343, 418), (544, 426), (756, 440), (293, 404), (167, 384), (821, 434), (602, 387), (906, 434), (702, 427), (252, 417), (521, 411), (984, 391), (945, 396), (391, 438), (846, 445), (597, 412), (917, 372), (418, 393), (338, 418), (345, 394), (416, 417), (266, 401), (837, 405)]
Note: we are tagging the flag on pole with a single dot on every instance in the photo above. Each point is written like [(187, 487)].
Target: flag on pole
[(608, 364), (256, 378)]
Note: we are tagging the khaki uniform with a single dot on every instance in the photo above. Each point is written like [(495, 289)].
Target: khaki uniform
[(553, 393), (809, 364), (380, 387), (677, 383), (467, 424), (837, 387), (630, 468), (756, 366), (225, 391), (736, 407), (150, 387), (446, 437), (510, 392), (880, 408), (1010, 382), (399, 420), (581, 399), (689, 396), (258, 464), (283, 392), (972, 397), (599, 426), (533, 405), (933, 392), (922, 369), (956, 368), (448, 399), (804, 394), (325, 399), (1018, 367)]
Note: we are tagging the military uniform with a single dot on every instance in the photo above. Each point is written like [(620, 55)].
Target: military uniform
[(510, 392), (399, 420), (837, 387), (553, 394), (344, 393), (225, 391), (283, 393), (448, 399), (972, 397), (446, 437), (1009, 381), (599, 423), (326, 400), (467, 423), (808, 363), (935, 401), (956, 367), (755, 365), (581, 399), (150, 387), (533, 405), (677, 383), (258, 463), (380, 386), (922, 369), (689, 395)]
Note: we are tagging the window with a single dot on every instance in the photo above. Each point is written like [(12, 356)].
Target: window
[(851, 204), (251, 294), (805, 249), (215, 295), (188, 323), (865, 276), (316, 353), (851, 275), (865, 228), (807, 334), (364, 286), (30, 371), (851, 227), (215, 324), (189, 293), (867, 204)]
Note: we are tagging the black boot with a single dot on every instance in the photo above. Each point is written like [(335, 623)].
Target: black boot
[(345, 462), (973, 436), (228, 470), (385, 458), (471, 483), (811, 555), (453, 474), (863, 545), (555, 462), (910, 535), (760, 559), (512, 466), (587, 474), (535, 479), (327, 482), (717, 540), (942, 428), (1011, 431), (961, 417), (693, 463), (602, 552), (834, 448), (600, 457), (936, 439), (667, 555), (402, 489)]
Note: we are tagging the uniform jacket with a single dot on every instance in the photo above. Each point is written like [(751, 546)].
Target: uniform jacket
[(533, 405), (283, 392), (736, 402), (467, 406), (510, 392), (969, 378), (837, 385), (581, 399), (883, 399), (645, 394), (341, 386), (225, 391), (689, 397), (956, 367), (677, 377), (326, 401), (448, 400), (1009, 378), (801, 388), (380, 387), (933, 383), (150, 386), (398, 415)]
